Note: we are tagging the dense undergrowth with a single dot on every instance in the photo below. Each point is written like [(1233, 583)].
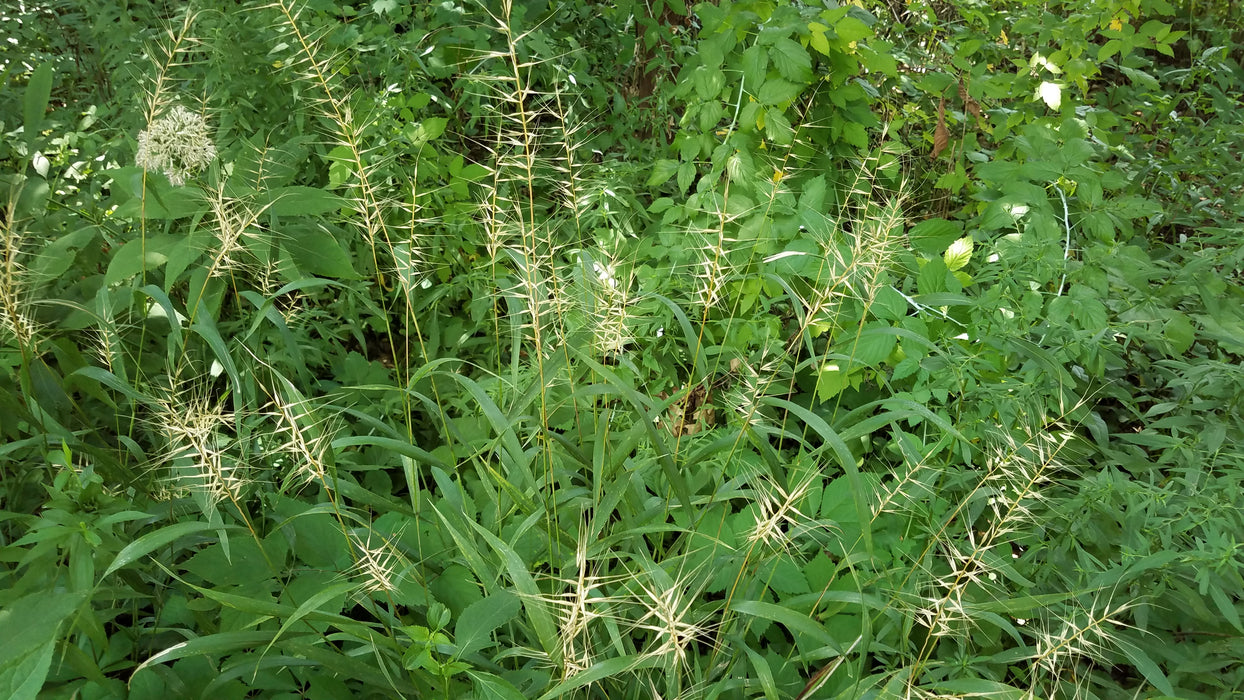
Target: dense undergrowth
[(625, 350)]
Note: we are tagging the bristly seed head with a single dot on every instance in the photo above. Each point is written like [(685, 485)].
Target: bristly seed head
[(376, 566)]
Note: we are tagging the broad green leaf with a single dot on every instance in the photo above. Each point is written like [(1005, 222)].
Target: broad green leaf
[(209, 645), (613, 666), (784, 577), (812, 199), (932, 277), (29, 627), (764, 673), (796, 622), (851, 29), (477, 623), (456, 587), (185, 252), (980, 687), (1145, 665), (299, 200), (832, 379), (421, 133), (672, 473), (35, 101), (662, 171), (855, 134), (755, 64), (265, 167), (537, 614), (1179, 332), (873, 345), (48, 388), (686, 176), (22, 674), (860, 493), (791, 60), (316, 252), (318, 541), (778, 128), (32, 198), (58, 256), (152, 541), (708, 82), (777, 91), (491, 687), (877, 58), (243, 564), (1226, 605), (156, 199), (312, 605), (889, 304), (138, 255), (1110, 48), (932, 236)]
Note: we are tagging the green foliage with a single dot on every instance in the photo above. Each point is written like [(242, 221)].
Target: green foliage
[(534, 350)]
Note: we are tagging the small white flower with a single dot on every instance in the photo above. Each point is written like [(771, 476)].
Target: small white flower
[(605, 274), (177, 144)]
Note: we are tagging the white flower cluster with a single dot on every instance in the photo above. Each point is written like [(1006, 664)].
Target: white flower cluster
[(177, 144)]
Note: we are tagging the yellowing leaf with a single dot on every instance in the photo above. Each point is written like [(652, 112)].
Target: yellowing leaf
[(831, 380), (817, 37), (1051, 94), (1042, 61), (958, 254)]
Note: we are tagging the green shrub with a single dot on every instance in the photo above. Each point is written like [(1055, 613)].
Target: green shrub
[(520, 350)]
